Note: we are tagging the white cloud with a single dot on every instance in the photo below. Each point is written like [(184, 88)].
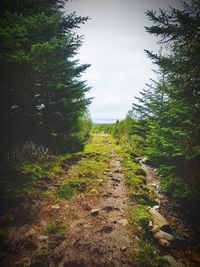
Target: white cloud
[(113, 44)]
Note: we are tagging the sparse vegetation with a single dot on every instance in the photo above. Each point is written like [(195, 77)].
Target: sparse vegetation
[(85, 174), (56, 228), (146, 256)]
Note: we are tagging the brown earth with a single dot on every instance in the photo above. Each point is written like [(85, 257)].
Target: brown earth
[(97, 232)]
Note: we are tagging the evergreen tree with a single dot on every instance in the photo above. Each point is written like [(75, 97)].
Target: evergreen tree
[(41, 91), (173, 106)]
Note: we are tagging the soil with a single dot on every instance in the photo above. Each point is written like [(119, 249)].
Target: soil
[(97, 232)]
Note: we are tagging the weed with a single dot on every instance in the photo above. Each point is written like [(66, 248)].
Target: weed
[(56, 228), (68, 189)]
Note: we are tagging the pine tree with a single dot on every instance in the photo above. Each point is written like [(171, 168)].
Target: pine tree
[(173, 106), (42, 94)]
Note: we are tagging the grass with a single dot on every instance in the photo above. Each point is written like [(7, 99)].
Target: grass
[(139, 215), (141, 195), (147, 257), (56, 228), (84, 175)]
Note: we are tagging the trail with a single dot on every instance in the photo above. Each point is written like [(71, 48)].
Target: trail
[(101, 237), (97, 234)]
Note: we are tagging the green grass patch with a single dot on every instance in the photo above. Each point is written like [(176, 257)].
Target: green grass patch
[(69, 188), (147, 257), (84, 174), (139, 215)]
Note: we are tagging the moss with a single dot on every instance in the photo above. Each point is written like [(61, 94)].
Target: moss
[(139, 215)]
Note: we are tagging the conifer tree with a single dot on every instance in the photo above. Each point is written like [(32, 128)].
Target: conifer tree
[(42, 94), (174, 104)]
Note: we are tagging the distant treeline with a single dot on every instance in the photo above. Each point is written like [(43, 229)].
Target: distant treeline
[(164, 122)]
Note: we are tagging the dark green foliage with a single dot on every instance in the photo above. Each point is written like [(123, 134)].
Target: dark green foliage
[(42, 95), (171, 105)]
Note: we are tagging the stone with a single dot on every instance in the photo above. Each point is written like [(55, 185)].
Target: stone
[(30, 232), (172, 262), (94, 212), (100, 180), (156, 207), (42, 237), (155, 228), (56, 206), (164, 242), (150, 224), (124, 222), (158, 219), (163, 235), (123, 248)]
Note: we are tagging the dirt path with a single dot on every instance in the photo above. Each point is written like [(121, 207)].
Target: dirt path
[(97, 231), (101, 236)]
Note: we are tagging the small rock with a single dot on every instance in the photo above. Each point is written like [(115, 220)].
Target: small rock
[(123, 248), (163, 235), (155, 228), (124, 222), (42, 237), (156, 207), (173, 262), (150, 224), (164, 242), (55, 206), (158, 219), (30, 232), (100, 180), (94, 212)]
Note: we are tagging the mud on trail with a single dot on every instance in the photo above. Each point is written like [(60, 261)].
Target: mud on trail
[(96, 229)]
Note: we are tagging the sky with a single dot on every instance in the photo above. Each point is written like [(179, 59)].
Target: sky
[(114, 43)]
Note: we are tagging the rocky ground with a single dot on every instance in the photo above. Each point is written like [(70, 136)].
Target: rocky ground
[(92, 224), (177, 237), (97, 231)]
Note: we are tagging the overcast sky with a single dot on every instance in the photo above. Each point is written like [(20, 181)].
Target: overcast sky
[(114, 43)]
